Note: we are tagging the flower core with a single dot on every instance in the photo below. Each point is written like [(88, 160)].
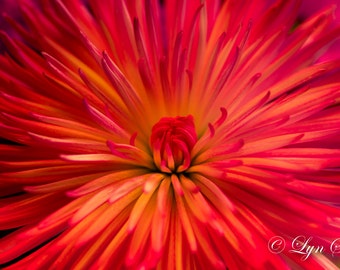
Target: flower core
[(172, 140)]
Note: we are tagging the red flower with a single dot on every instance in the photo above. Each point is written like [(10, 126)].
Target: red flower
[(175, 135)]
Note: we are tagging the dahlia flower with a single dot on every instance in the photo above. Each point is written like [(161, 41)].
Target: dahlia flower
[(169, 135)]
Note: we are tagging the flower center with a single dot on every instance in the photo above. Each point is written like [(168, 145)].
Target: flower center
[(172, 140)]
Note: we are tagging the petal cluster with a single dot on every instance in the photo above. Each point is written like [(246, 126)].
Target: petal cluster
[(172, 140)]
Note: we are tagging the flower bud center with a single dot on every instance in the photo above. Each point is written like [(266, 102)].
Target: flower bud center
[(172, 140)]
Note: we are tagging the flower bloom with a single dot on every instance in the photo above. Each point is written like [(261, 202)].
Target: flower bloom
[(175, 135)]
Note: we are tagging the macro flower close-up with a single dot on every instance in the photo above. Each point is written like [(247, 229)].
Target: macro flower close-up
[(150, 134)]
